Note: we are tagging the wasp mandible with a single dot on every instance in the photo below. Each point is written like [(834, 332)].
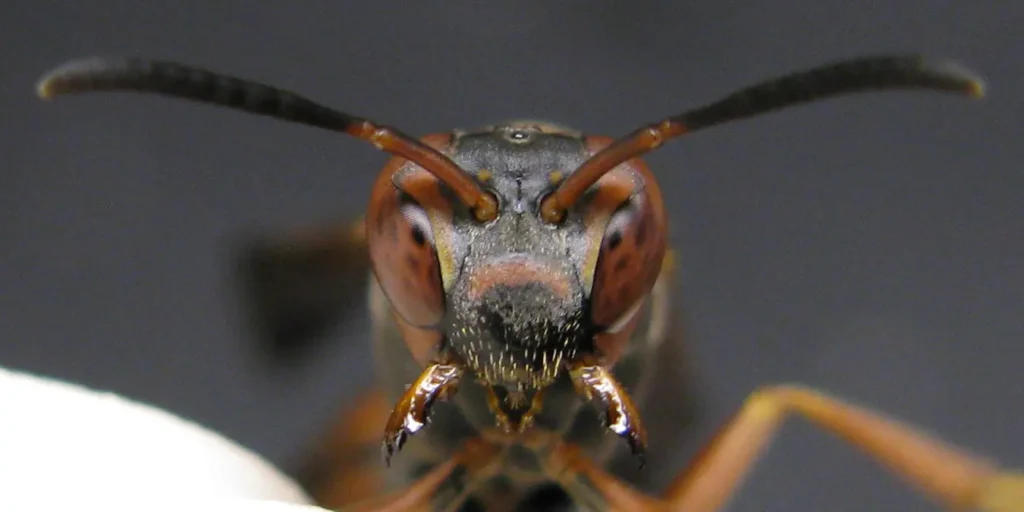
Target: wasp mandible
[(518, 289)]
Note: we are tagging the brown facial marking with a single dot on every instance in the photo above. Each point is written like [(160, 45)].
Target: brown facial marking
[(515, 273), (405, 262)]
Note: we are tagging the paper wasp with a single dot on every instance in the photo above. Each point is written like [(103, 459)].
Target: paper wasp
[(519, 293)]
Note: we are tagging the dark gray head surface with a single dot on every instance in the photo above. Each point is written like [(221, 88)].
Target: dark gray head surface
[(518, 304)]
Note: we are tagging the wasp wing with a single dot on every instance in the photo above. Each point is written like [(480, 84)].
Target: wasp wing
[(296, 289)]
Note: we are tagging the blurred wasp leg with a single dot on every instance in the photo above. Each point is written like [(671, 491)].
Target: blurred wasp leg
[(945, 473), (446, 487), (480, 460), (345, 471), (296, 288), (417, 497), (344, 466), (592, 488)]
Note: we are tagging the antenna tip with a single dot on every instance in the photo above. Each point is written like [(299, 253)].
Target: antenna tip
[(47, 86), (44, 89), (973, 85), (69, 75), (976, 89)]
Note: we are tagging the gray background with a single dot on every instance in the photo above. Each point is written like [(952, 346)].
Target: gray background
[(868, 245)]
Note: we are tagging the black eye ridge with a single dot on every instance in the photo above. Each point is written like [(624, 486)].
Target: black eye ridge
[(418, 236)]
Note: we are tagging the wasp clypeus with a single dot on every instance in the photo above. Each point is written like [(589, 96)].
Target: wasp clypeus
[(519, 293)]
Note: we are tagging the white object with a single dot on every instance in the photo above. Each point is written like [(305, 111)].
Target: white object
[(65, 447)]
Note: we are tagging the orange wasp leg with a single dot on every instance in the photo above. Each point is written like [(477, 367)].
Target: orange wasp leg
[(417, 497), (478, 459), (344, 467), (473, 464), (945, 473)]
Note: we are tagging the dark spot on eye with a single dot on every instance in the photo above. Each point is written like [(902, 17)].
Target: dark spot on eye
[(622, 263), (641, 232), (418, 236), (614, 239)]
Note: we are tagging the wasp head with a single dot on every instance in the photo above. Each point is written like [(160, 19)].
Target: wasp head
[(517, 297), (519, 246)]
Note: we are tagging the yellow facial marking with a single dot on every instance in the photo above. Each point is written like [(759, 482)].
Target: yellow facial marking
[(442, 234), (595, 232)]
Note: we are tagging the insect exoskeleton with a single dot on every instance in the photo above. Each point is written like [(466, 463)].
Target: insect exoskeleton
[(520, 255)]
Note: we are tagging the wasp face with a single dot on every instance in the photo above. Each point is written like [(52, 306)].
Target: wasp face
[(515, 297), (489, 259), (518, 303)]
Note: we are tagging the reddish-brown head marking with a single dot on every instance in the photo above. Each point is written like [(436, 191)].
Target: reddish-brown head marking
[(516, 273), (626, 214), (402, 239)]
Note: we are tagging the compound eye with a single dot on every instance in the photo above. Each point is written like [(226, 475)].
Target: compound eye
[(405, 259), (419, 224), (628, 263)]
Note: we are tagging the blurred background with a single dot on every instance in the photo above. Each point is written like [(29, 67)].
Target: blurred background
[(869, 245)]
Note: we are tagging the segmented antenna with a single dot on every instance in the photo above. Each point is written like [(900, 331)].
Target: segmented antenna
[(844, 77), (200, 85)]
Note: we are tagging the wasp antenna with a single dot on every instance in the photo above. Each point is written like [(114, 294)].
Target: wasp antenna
[(844, 77), (200, 85)]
